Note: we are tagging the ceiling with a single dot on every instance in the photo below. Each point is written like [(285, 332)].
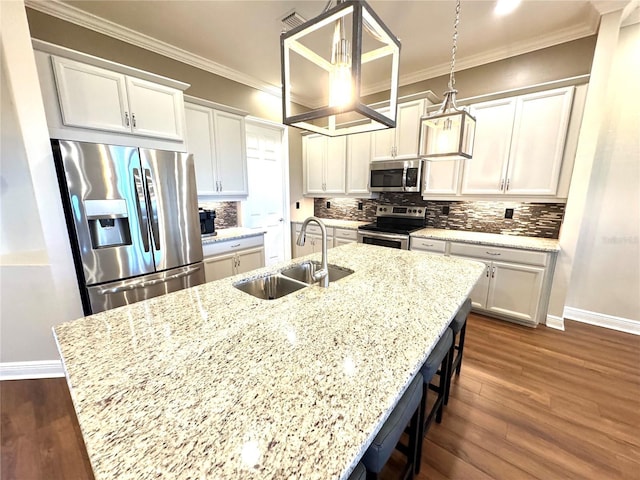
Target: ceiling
[(240, 39)]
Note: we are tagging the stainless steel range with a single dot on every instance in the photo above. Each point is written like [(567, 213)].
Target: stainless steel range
[(393, 225)]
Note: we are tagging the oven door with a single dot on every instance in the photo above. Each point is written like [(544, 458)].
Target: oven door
[(391, 240)]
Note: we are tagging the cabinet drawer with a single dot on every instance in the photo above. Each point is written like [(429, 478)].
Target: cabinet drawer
[(428, 245), (230, 246), (346, 234), (499, 253)]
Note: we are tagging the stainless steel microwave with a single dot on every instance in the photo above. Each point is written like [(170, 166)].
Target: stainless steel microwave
[(395, 176)]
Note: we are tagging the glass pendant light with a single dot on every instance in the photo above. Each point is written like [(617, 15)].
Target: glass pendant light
[(341, 46), (448, 134)]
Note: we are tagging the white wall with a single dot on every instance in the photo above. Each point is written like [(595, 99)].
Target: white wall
[(38, 287), (606, 273)]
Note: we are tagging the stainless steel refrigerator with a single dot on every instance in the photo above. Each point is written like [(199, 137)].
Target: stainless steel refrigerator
[(132, 216)]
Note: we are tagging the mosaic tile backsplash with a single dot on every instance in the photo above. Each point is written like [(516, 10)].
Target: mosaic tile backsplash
[(226, 213), (529, 219)]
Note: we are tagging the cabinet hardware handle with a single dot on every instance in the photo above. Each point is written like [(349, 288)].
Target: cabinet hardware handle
[(133, 119), (235, 246), (494, 254), (507, 179), (427, 244), (487, 271), (126, 118), (493, 272), (501, 184)]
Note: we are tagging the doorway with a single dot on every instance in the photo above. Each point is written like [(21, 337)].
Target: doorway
[(267, 205)]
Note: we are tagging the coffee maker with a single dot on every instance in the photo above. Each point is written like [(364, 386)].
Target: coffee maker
[(207, 217)]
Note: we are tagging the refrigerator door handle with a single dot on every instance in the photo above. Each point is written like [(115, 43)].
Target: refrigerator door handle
[(137, 284), (141, 206), (153, 202)]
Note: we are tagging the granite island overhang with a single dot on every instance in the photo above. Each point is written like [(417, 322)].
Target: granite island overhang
[(211, 382)]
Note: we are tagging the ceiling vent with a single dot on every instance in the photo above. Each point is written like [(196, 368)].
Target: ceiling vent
[(292, 20)]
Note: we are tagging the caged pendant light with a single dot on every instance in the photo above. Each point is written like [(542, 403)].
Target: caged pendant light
[(448, 134), (341, 47)]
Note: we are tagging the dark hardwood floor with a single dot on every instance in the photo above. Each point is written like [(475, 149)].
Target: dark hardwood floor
[(529, 404)]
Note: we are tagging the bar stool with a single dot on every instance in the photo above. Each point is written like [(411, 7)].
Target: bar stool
[(359, 473), (437, 362), (458, 326), (407, 411)]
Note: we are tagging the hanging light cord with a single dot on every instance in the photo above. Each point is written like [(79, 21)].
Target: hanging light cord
[(449, 102)]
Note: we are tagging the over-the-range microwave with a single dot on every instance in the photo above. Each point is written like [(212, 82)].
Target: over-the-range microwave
[(395, 176)]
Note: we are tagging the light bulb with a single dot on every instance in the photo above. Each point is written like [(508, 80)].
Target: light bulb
[(340, 88)]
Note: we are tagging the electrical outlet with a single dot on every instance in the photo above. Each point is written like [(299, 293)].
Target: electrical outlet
[(445, 210), (508, 213), (328, 204), (297, 205), (359, 205)]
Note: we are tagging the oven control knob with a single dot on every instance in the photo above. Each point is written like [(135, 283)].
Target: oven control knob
[(419, 211)]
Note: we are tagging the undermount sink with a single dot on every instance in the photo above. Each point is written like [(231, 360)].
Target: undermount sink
[(303, 272), (269, 287)]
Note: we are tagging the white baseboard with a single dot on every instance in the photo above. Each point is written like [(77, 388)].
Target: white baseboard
[(602, 320), (555, 322), (31, 370)]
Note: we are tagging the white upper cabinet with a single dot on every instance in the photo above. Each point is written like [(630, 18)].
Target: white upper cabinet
[(441, 177), (324, 164), (358, 159), (519, 145), (399, 143), (537, 145), (97, 98), (485, 172), (156, 110), (217, 141), (91, 97)]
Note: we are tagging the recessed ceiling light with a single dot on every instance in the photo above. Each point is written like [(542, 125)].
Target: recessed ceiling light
[(504, 7)]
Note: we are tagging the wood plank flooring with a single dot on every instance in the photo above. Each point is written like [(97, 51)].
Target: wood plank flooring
[(529, 404)]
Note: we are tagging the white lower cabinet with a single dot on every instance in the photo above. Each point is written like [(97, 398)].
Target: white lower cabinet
[(343, 236), (313, 239), (428, 245), (512, 285), (231, 257)]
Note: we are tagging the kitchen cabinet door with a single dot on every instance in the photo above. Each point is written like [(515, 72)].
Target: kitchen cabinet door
[(408, 129), (335, 165), (400, 143), (315, 147), (383, 142), (441, 177), (248, 260), (515, 290), (156, 110), (231, 153), (91, 97), (485, 172), (537, 146), (480, 291), (220, 266), (358, 159), (199, 122)]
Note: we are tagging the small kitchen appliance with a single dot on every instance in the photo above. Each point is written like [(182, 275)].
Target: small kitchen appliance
[(207, 225), (393, 225), (395, 176)]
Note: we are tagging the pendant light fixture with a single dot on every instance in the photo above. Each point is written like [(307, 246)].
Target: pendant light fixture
[(327, 59), (448, 134)]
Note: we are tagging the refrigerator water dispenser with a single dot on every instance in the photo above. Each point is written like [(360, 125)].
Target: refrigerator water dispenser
[(108, 223)]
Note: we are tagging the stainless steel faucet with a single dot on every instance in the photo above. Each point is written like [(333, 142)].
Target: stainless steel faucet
[(321, 276)]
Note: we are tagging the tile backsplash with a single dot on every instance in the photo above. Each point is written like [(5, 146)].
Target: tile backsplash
[(226, 212), (529, 219)]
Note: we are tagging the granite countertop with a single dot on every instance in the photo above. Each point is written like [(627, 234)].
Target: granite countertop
[(513, 241), (234, 233), (332, 222), (210, 382)]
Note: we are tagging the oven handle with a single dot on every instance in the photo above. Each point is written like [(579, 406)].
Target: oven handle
[(387, 236)]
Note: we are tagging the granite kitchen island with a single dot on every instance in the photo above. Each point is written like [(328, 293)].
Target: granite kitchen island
[(211, 382)]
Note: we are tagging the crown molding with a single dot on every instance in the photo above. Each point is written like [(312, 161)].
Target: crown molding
[(513, 49), (74, 15)]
